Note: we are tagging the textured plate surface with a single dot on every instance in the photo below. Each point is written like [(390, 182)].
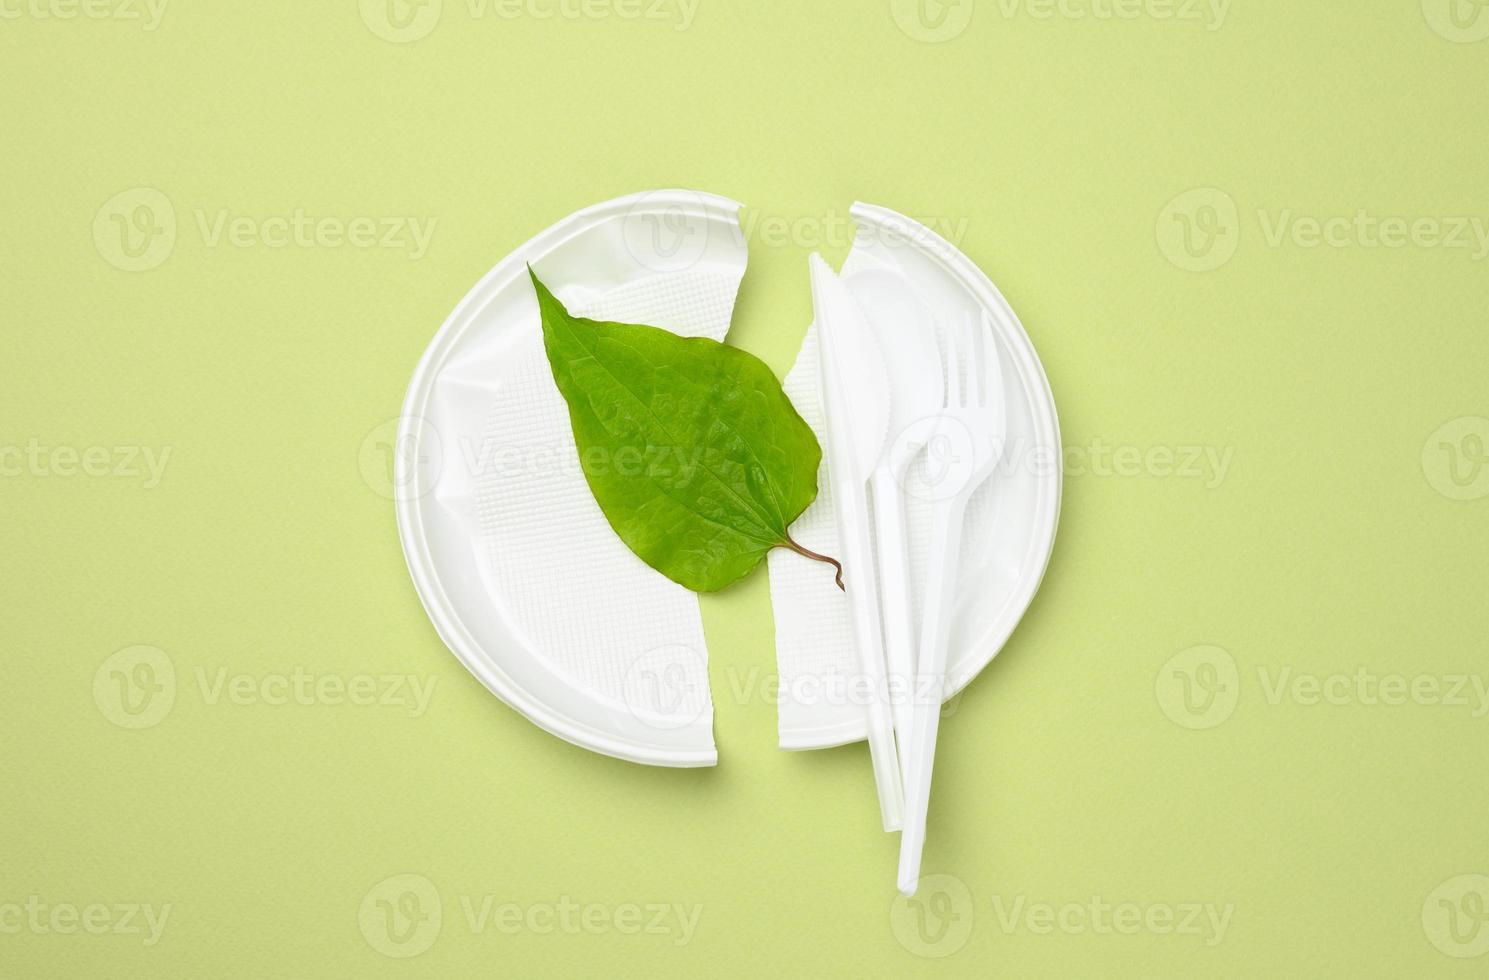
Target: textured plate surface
[(519, 571)]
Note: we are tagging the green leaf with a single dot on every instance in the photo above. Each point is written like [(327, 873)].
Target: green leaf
[(695, 454)]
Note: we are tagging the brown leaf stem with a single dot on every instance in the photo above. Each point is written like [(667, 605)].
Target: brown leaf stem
[(808, 553)]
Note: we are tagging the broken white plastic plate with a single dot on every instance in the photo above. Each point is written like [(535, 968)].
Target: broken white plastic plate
[(516, 565), (906, 276)]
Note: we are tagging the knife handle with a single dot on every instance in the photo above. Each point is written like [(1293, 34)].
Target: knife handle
[(863, 596), (894, 588)]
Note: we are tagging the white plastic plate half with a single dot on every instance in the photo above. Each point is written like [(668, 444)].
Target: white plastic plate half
[(1010, 532), (514, 562)]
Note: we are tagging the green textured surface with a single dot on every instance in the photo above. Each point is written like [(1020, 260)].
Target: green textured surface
[(1258, 464)]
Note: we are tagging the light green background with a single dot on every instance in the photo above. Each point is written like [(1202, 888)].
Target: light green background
[(1055, 145)]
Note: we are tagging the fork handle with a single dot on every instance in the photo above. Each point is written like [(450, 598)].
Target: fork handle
[(935, 637)]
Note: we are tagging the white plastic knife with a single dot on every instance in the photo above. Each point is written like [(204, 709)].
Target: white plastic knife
[(855, 395)]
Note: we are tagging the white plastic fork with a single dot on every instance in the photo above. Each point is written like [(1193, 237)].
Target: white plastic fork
[(973, 429)]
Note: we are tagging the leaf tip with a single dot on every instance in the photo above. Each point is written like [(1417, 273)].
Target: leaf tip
[(548, 304), (544, 293)]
